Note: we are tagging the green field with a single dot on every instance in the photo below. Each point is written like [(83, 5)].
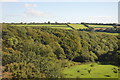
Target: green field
[(91, 71), (78, 26), (75, 26), (97, 26), (47, 25), (62, 27), (116, 34)]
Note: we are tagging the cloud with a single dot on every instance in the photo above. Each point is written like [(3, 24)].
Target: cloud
[(35, 13), (30, 5), (32, 12)]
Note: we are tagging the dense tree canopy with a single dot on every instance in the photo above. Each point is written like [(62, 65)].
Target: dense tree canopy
[(39, 50)]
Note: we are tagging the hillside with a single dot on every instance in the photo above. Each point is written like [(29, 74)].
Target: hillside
[(42, 52)]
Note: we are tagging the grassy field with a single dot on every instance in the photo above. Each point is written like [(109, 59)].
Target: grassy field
[(62, 27), (116, 34), (91, 71), (48, 25), (113, 34), (78, 26), (96, 26)]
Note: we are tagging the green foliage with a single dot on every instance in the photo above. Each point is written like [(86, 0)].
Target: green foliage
[(112, 57), (57, 50), (47, 65), (45, 47), (23, 70), (12, 42)]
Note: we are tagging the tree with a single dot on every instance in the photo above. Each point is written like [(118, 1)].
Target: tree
[(56, 22), (12, 42), (24, 70), (48, 22)]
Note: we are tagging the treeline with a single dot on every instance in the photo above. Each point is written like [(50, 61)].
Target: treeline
[(36, 23), (112, 24), (41, 52)]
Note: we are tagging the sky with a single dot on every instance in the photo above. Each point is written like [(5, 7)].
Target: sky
[(59, 0), (74, 12)]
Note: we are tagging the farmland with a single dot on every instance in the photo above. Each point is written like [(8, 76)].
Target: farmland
[(61, 28), (77, 26), (45, 25), (101, 26), (91, 71), (42, 25), (68, 27)]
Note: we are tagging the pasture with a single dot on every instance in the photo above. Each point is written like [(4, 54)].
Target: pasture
[(61, 27), (64, 26), (113, 34), (101, 26), (77, 26), (45, 25), (116, 34), (91, 71)]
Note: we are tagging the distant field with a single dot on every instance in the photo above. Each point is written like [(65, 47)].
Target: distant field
[(106, 26), (78, 26), (48, 25), (62, 27), (91, 71)]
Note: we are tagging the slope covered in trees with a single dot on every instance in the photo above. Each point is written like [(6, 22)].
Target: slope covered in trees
[(39, 52)]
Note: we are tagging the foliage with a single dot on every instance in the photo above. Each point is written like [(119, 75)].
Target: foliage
[(23, 70), (44, 48)]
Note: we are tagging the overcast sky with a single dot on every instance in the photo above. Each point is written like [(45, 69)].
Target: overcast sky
[(76, 12)]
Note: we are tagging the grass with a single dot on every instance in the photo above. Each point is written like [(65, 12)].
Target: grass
[(116, 34), (62, 27), (78, 26), (104, 26), (113, 34), (45, 25), (48, 25), (91, 71)]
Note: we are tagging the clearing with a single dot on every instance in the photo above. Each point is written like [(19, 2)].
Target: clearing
[(93, 70)]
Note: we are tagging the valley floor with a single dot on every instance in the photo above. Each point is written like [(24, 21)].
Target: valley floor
[(93, 70)]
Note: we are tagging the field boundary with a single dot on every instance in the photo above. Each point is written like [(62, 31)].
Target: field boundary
[(70, 26)]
